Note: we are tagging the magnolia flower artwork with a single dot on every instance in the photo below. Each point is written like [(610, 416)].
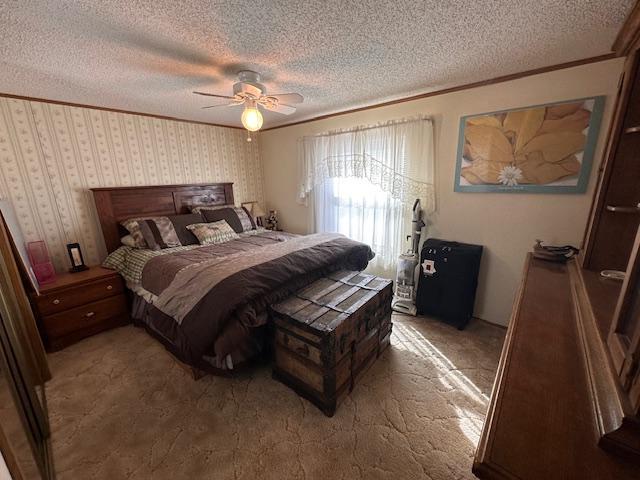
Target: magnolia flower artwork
[(545, 148)]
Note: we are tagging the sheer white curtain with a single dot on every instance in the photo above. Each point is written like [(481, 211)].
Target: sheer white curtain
[(363, 182), (362, 211)]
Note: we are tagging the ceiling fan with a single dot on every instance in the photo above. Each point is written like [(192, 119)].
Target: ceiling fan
[(248, 91)]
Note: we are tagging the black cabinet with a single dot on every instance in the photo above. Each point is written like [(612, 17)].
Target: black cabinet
[(448, 280)]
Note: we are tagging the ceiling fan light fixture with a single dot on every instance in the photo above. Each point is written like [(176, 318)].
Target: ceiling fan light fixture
[(251, 117), (250, 92)]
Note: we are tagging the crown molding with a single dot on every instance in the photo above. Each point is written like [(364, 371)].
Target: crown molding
[(116, 110), (468, 86)]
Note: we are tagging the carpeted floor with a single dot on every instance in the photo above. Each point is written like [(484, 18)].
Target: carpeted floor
[(121, 408)]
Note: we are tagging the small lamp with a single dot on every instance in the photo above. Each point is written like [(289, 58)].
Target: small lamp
[(256, 211)]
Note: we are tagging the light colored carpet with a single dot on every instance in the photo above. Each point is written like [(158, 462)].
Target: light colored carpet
[(121, 408)]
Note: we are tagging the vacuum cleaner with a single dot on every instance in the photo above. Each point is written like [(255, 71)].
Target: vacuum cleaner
[(404, 295)]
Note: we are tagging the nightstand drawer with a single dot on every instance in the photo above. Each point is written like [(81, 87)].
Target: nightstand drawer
[(85, 316), (79, 295)]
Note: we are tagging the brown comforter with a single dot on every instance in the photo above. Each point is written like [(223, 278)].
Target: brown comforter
[(212, 301)]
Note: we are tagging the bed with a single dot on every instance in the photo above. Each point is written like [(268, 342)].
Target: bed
[(207, 304)]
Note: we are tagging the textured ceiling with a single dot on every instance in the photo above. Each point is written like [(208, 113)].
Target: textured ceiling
[(148, 55)]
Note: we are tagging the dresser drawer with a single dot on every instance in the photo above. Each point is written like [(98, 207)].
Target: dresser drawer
[(79, 295), (85, 316)]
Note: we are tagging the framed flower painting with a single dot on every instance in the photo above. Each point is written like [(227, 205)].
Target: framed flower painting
[(539, 149)]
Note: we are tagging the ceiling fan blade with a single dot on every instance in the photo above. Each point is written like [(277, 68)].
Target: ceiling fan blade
[(213, 95), (233, 104), (288, 97), (280, 108)]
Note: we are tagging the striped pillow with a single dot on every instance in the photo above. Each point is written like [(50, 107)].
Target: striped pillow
[(154, 232), (215, 232), (237, 217)]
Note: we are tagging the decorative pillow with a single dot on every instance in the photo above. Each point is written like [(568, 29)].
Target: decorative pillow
[(180, 223), (134, 232), (215, 232), (237, 217), (128, 241), (200, 208), (153, 232)]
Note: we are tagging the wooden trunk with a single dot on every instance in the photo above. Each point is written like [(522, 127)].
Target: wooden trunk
[(329, 333)]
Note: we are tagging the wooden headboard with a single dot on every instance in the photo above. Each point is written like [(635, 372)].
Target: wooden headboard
[(119, 203)]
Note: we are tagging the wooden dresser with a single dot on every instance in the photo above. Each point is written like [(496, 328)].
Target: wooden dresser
[(78, 305), (541, 422)]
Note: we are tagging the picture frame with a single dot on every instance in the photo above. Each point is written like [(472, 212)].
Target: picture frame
[(76, 258), (546, 148)]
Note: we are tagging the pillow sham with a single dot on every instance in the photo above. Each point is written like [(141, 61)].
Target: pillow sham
[(152, 232), (214, 232), (237, 217), (180, 223), (128, 241)]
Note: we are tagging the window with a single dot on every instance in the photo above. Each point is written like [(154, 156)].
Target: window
[(365, 180), (362, 211)]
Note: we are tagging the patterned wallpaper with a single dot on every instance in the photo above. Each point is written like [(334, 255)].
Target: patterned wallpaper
[(50, 155)]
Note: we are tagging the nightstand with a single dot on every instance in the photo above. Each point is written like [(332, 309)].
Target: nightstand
[(78, 305)]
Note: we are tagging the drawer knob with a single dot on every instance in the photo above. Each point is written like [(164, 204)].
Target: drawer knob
[(56, 302), (109, 287), (90, 314)]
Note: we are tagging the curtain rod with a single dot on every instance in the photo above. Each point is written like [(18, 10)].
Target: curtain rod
[(360, 128)]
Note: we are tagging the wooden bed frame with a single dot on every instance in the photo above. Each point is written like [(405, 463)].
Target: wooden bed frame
[(119, 203)]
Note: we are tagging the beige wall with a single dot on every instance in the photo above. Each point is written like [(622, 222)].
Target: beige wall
[(506, 224), (50, 155), (4, 471)]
